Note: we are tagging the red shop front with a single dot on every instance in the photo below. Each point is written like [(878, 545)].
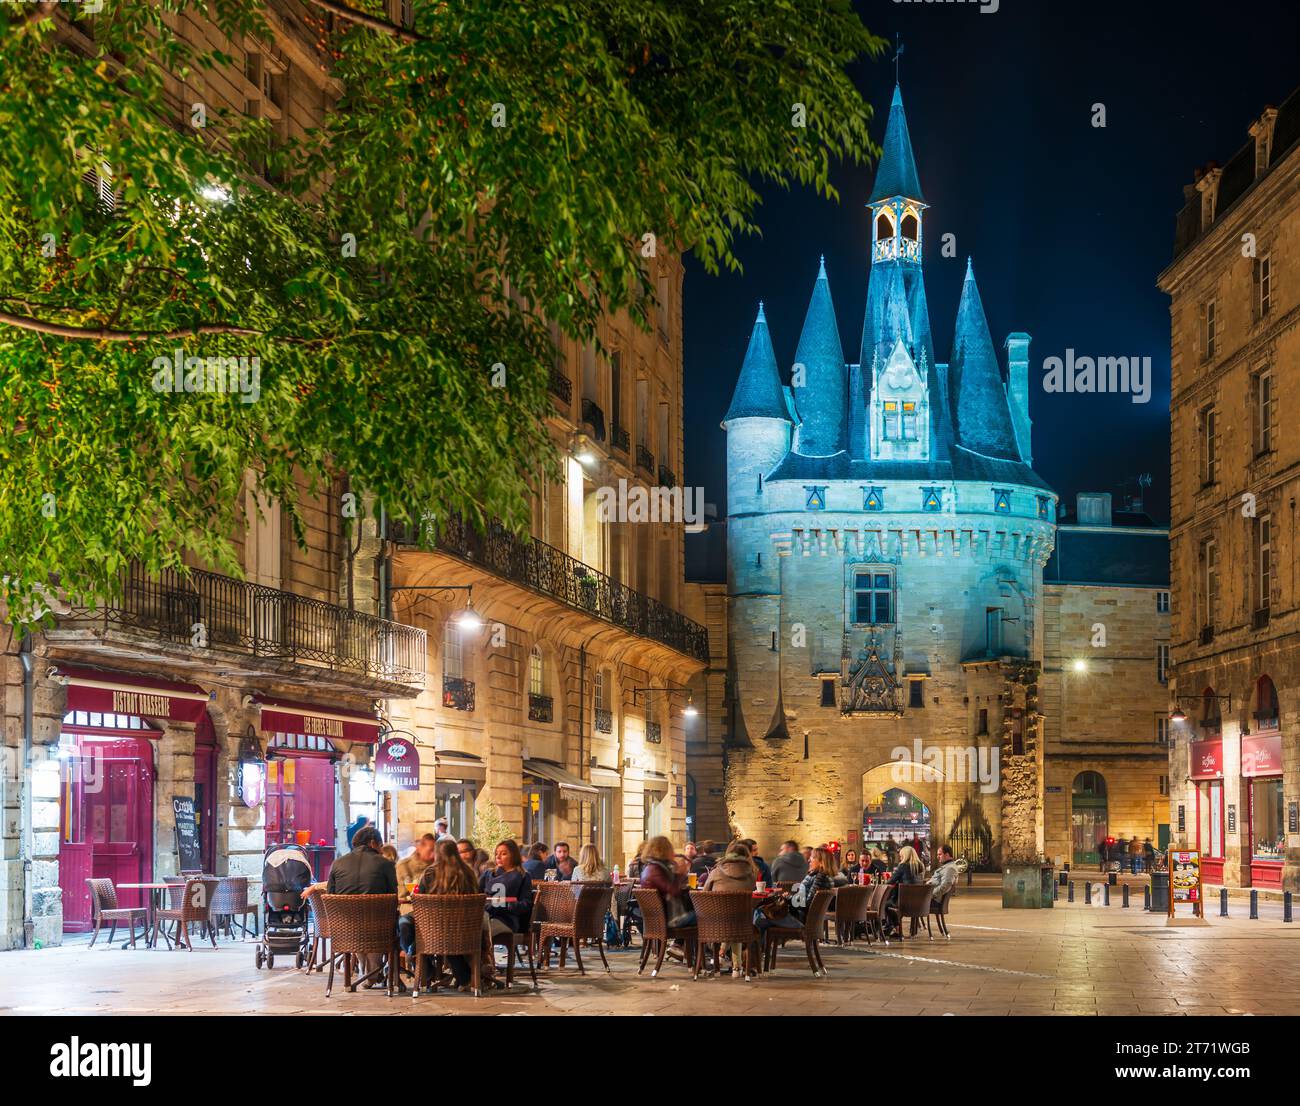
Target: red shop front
[(106, 780), (1207, 777), (302, 757), (1261, 768)]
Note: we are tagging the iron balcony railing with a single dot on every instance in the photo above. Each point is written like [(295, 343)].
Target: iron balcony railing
[(458, 693), (604, 720), (667, 478), (553, 572), (561, 386), (645, 458), (541, 708), (205, 609), (594, 417), (621, 439)]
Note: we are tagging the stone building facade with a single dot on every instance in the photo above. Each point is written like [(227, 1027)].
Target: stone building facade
[(1234, 757)]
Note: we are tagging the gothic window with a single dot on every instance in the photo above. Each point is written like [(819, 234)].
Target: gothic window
[(873, 499), (910, 228), (816, 499), (916, 693), (873, 597), (884, 228), (899, 421), (932, 499), (1044, 506), (828, 693), (993, 631), (1002, 501)]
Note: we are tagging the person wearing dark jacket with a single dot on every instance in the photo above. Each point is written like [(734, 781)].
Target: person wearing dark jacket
[(790, 865), (508, 880), (363, 871), (800, 899), (535, 865), (764, 872), (561, 863), (659, 870), (909, 870)]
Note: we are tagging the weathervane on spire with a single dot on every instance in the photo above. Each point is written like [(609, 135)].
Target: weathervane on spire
[(898, 52)]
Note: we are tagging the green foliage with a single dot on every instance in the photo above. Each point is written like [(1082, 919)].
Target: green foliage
[(490, 829), (620, 119)]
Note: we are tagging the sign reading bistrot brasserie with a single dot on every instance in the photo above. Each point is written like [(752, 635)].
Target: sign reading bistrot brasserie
[(397, 765)]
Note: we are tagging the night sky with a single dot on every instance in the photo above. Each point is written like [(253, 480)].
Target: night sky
[(1068, 225)]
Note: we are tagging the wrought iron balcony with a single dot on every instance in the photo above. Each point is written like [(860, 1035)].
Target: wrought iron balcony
[(645, 458), (654, 733), (1260, 619), (1207, 635), (205, 610), (604, 720), (457, 693), (594, 417), (541, 708), (561, 386), (554, 573), (621, 439), (667, 478)]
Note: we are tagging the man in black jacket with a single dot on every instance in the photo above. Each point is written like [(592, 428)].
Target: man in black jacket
[(364, 871)]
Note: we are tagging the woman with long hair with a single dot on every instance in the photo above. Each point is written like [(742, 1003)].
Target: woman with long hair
[(660, 870), (589, 869), (449, 875), (909, 870), (509, 890)]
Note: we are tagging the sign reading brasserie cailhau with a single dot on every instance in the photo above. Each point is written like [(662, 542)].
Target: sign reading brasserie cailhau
[(397, 765), (1185, 881)]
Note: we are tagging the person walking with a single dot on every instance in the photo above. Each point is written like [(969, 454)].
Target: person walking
[(789, 865)]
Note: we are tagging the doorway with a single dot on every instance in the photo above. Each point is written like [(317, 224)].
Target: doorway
[(205, 791), (1088, 817)]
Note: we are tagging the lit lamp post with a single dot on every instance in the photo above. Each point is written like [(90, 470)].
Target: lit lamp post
[(468, 619)]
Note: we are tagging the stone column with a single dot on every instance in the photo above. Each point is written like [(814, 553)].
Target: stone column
[(241, 830), (1022, 790)]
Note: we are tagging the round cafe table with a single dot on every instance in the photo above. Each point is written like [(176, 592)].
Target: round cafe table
[(151, 907)]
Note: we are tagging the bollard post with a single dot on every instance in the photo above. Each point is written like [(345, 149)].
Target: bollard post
[(1125, 902), (1105, 895), (1146, 897), (1056, 891), (1254, 904), (1286, 906), (1087, 893), (968, 875), (1069, 897), (1223, 902), (1111, 879)]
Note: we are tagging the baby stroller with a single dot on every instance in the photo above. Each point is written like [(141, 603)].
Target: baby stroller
[(286, 873)]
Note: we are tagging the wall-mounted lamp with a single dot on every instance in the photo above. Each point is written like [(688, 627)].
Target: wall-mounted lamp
[(252, 770), (469, 619), (581, 450), (688, 711)]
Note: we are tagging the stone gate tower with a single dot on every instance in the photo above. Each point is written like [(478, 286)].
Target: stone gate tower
[(886, 539)]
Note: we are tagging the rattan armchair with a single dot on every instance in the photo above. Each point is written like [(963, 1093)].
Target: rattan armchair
[(103, 898), (656, 932), (914, 905), (724, 918), (852, 904), (188, 903), (230, 905), (586, 923), (810, 933), (448, 925), (362, 925)]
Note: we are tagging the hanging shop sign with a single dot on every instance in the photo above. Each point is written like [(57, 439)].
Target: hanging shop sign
[(1207, 759), (1261, 755), (1185, 881), (397, 765), (104, 692), (283, 716)]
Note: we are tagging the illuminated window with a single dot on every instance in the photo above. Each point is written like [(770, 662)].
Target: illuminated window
[(873, 499), (536, 672), (932, 499), (816, 499), (1001, 501), (1044, 506)]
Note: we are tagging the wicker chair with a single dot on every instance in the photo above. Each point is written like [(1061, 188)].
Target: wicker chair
[(188, 903), (875, 910), (586, 923), (786, 885), (448, 925), (656, 932), (914, 905), (513, 940), (723, 918), (231, 903), (362, 925), (851, 906), (320, 933), (939, 908), (103, 898), (810, 933)]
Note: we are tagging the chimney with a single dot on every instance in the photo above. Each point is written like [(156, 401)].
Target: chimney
[(1018, 392), (1093, 509)]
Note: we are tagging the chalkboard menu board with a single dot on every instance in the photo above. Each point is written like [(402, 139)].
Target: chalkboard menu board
[(187, 835)]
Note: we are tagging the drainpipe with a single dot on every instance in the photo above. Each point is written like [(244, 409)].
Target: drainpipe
[(582, 728), (25, 785)]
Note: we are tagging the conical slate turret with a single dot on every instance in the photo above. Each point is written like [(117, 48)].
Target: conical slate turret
[(981, 412), (820, 398), (758, 393), (896, 174)]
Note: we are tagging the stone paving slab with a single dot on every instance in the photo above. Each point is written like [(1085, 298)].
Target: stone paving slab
[(1070, 960)]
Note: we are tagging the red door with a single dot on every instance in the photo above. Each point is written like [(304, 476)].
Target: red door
[(205, 790), (300, 798), (106, 809)]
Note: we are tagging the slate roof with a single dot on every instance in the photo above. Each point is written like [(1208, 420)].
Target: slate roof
[(1110, 555), (896, 173), (982, 414), (758, 391)]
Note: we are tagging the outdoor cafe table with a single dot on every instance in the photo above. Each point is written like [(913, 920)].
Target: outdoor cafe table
[(155, 899)]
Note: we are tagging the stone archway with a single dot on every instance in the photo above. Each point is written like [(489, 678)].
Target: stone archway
[(902, 800)]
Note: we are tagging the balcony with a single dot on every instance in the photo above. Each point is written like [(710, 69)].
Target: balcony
[(551, 572), (654, 733), (604, 720), (667, 478), (561, 386), (541, 708), (1259, 621), (645, 459), (1207, 635), (457, 693), (594, 417), (202, 619)]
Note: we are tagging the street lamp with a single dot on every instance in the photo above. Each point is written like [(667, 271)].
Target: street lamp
[(469, 619), (688, 711)]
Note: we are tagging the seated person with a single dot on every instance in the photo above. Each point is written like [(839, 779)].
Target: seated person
[(508, 879)]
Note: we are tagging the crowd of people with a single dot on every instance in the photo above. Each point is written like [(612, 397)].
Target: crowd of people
[(1136, 856), (441, 865)]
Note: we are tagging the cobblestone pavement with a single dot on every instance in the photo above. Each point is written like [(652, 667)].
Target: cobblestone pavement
[(1072, 959)]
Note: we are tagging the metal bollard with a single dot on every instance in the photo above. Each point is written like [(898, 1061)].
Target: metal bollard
[(968, 876), (1111, 879), (1125, 902), (1286, 906), (1254, 904), (1064, 878), (1105, 895), (1056, 891), (1087, 893), (1223, 902), (1146, 897), (1069, 897)]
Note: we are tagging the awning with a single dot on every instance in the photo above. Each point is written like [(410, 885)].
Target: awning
[(103, 691), (654, 781), (606, 777), (451, 765), (282, 716), (569, 784)]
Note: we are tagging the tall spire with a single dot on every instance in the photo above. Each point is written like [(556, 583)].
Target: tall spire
[(980, 400), (820, 399), (896, 173), (758, 393)]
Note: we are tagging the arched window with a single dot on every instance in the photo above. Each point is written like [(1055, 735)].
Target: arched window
[(910, 227), (453, 657), (1267, 715), (1211, 720), (536, 672), (1089, 786), (884, 227)]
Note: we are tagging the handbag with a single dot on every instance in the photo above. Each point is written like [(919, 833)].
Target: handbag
[(775, 909)]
